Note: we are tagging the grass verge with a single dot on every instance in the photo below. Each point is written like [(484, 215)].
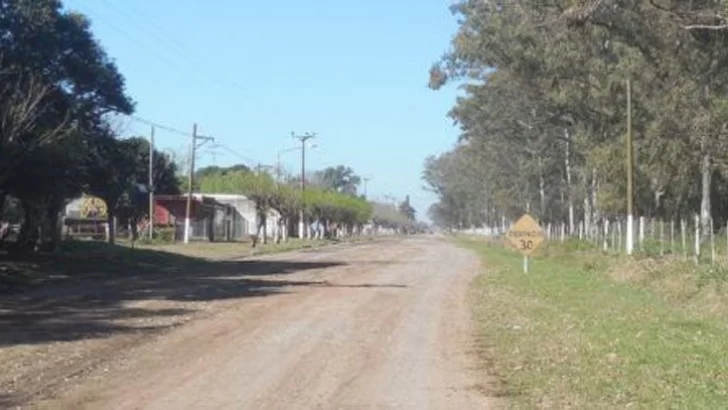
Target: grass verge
[(572, 334)]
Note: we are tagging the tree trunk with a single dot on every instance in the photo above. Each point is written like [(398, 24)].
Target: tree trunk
[(54, 211), (705, 209), (111, 221), (28, 235), (588, 210), (210, 222), (569, 190), (133, 229), (541, 190), (596, 217), (262, 231), (286, 226)]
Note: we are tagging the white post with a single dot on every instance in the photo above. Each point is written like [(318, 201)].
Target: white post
[(642, 233), (629, 239), (525, 264), (683, 228), (672, 236), (697, 238), (606, 235), (662, 235), (187, 231), (713, 255)]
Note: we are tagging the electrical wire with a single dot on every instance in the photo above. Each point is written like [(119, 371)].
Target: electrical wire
[(180, 50), (157, 125)]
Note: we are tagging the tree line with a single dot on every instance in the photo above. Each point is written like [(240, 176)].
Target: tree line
[(59, 95), (58, 88), (543, 112), (330, 201)]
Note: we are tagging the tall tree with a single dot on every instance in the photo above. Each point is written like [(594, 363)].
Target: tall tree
[(57, 85)]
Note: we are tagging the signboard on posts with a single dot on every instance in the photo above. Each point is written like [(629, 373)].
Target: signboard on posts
[(526, 235)]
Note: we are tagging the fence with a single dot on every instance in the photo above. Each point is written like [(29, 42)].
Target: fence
[(683, 238)]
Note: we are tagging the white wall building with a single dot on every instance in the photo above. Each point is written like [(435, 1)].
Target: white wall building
[(245, 220)]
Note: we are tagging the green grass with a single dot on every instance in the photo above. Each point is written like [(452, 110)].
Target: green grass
[(569, 335)]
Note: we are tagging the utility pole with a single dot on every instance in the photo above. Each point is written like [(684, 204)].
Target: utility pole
[(303, 138), (366, 181), (630, 173), (278, 168), (151, 185), (191, 177)]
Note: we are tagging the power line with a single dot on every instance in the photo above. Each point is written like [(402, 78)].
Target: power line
[(156, 124), (188, 55), (250, 161), (138, 43), (175, 66), (183, 52)]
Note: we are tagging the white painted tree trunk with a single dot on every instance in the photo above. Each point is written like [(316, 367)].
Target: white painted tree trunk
[(705, 209), (569, 190), (596, 217), (587, 216), (541, 189), (683, 234), (697, 238), (629, 231), (619, 237), (713, 255)]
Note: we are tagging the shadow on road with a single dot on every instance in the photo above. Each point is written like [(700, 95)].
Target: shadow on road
[(8, 401), (87, 293)]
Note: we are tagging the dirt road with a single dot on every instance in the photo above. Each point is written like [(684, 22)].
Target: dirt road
[(382, 325)]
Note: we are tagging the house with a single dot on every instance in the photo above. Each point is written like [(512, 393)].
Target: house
[(243, 216), (213, 217)]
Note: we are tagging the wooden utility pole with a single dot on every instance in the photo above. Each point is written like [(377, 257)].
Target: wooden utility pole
[(366, 182), (303, 139), (151, 185), (278, 168), (191, 177), (630, 173)]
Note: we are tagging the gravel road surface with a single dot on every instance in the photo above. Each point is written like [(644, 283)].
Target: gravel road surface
[(375, 326)]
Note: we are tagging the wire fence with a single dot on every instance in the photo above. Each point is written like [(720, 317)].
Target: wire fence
[(684, 238)]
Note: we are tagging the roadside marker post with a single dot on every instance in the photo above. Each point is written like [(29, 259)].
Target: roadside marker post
[(526, 236)]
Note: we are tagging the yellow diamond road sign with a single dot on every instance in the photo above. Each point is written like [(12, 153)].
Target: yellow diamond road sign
[(526, 235)]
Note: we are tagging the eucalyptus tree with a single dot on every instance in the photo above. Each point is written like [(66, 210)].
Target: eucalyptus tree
[(545, 103)]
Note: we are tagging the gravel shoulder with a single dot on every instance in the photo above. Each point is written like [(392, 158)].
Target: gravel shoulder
[(380, 325)]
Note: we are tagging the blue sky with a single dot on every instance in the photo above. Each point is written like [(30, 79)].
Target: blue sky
[(249, 73)]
